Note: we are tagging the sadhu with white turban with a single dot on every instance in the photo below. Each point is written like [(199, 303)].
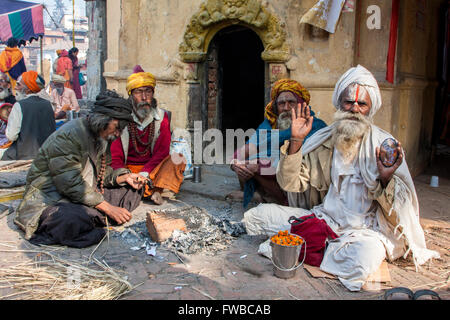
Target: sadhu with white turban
[(144, 145), (339, 176)]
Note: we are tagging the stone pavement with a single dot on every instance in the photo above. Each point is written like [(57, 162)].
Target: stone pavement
[(239, 272)]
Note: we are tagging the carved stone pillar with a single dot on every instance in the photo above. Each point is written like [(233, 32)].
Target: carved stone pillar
[(196, 93), (277, 71)]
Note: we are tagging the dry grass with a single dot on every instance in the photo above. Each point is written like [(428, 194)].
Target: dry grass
[(54, 278)]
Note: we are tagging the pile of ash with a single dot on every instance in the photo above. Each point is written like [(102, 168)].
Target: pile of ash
[(206, 233)]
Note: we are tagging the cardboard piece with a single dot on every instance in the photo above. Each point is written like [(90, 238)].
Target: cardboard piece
[(317, 273), (381, 275)]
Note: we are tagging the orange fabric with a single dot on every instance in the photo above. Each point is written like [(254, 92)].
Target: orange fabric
[(9, 58), (63, 66), (166, 175), (6, 145), (281, 86), (29, 78), (68, 85), (140, 79)]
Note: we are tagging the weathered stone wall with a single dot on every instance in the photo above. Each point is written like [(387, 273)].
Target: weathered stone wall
[(97, 51), (150, 33)]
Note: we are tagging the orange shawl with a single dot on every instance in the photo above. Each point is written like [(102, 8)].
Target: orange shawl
[(9, 58)]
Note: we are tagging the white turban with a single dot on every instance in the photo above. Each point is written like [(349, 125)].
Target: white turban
[(363, 77)]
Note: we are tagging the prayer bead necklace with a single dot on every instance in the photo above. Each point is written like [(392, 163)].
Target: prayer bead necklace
[(136, 138), (101, 174)]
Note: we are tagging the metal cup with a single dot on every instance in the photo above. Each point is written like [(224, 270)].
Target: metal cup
[(434, 182), (197, 174), (70, 115)]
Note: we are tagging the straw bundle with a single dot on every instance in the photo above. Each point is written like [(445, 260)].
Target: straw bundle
[(60, 279)]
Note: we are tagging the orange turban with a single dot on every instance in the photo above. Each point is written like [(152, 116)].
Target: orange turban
[(140, 79), (279, 87), (33, 81)]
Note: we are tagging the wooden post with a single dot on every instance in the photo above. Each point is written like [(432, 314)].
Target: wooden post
[(73, 23), (42, 58)]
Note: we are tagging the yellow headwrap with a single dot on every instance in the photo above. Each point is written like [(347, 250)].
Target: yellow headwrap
[(140, 79), (279, 87)]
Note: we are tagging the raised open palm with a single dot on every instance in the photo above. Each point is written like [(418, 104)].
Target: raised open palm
[(301, 121)]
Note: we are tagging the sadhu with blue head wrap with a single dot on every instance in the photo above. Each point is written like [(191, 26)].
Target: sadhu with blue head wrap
[(259, 175)]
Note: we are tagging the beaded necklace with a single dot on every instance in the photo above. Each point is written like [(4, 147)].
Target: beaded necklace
[(136, 139), (101, 174)]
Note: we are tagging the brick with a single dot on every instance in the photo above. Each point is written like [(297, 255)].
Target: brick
[(160, 227)]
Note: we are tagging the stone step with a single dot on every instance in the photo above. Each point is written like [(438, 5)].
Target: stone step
[(216, 183)]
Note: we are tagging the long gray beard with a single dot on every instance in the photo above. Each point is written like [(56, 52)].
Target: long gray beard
[(101, 145), (284, 120), (348, 133), (5, 93), (141, 112)]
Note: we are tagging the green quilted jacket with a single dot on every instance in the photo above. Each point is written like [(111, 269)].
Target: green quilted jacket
[(65, 169)]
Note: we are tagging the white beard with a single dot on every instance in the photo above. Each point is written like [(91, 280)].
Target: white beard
[(284, 120), (348, 133), (5, 93), (142, 110), (20, 95)]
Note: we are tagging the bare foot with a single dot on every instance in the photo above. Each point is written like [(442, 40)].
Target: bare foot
[(156, 197), (168, 194), (235, 195), (257, 197)]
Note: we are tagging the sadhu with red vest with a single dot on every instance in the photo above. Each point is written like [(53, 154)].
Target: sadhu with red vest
[(144, 146)]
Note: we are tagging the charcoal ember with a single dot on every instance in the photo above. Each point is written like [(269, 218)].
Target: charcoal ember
[(388, 152), (233, 228)]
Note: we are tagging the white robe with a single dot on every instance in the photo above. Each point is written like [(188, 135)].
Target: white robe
[(347, 209), (349, 212), (366, 238)]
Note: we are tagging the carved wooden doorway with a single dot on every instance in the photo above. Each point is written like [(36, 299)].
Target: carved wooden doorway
[(235, 79)]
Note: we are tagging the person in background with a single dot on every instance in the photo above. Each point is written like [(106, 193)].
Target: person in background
[(63, 99), (55, 63), (12, 62), (31, 120), (6, 95), (5, 110), (64, 68), (73, 55)]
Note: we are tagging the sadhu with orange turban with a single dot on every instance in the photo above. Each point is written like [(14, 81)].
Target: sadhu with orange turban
[(262, 145), (33, 81), (280, 86)]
